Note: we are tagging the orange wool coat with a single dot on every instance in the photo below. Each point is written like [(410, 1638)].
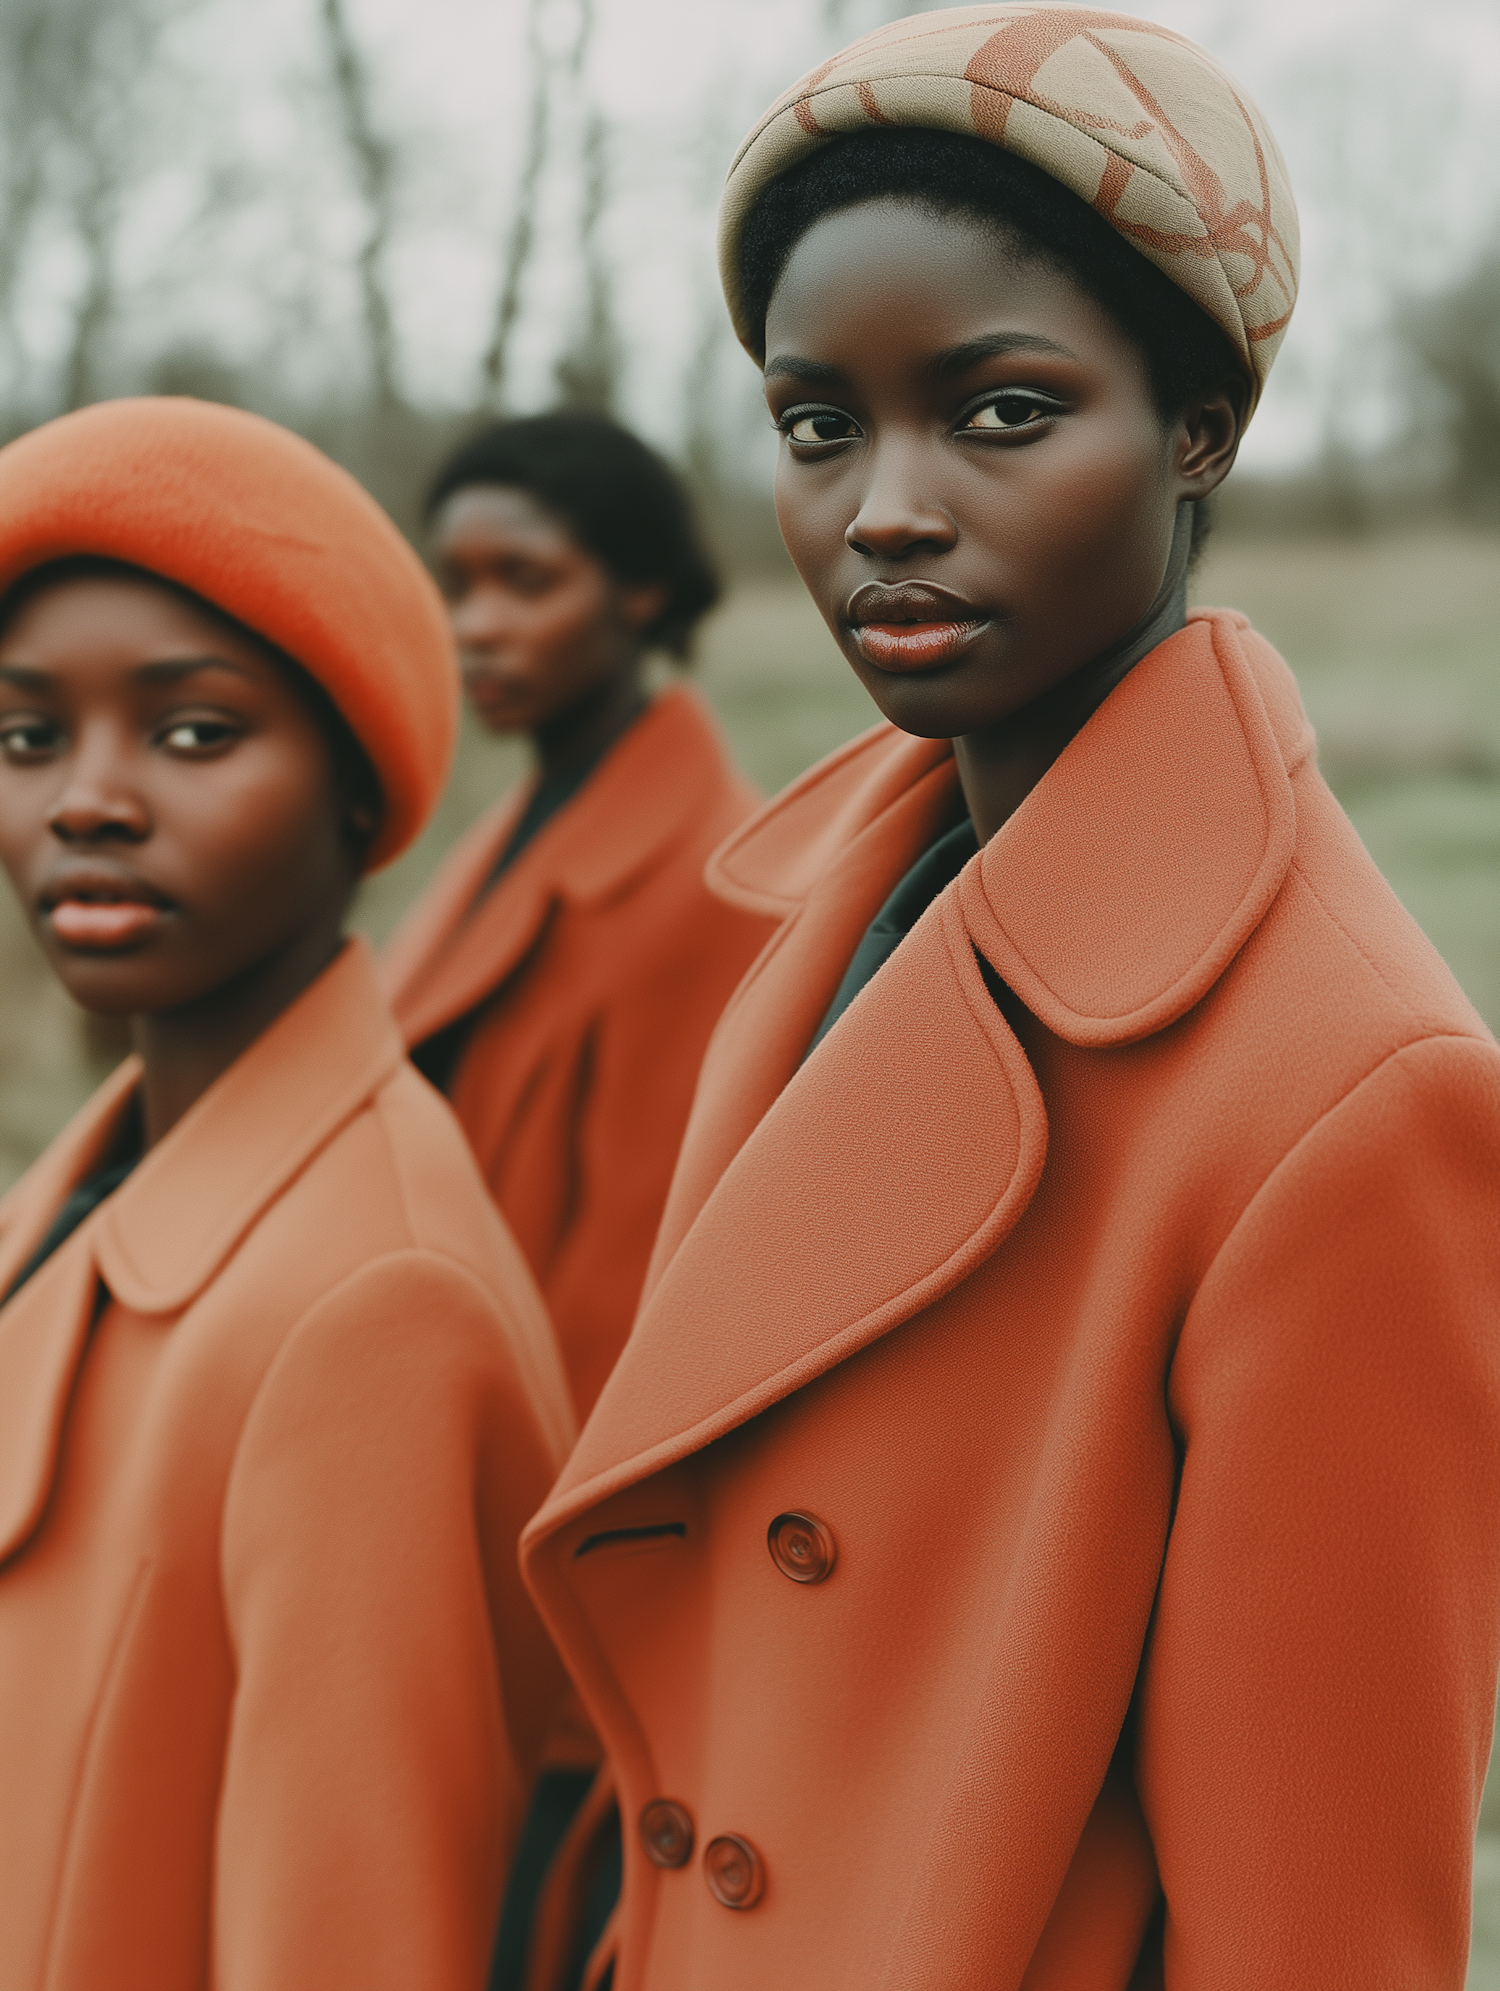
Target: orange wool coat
[(598, 964), (270, 1421), (1133, 1365)]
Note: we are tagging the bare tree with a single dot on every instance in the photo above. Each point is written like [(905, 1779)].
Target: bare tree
[(95, 66), (23, 52), (97, 218), (588, 373), (522, 238), (1454, 337), (374, 160)]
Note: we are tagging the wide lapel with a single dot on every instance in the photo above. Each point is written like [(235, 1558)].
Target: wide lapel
[(893, 1164), (908, 1146), (1125, 884), (27, 1211), (456, 953), (888, 796), (416, 948), (43, 1333), (463, 939), (161, 1237)]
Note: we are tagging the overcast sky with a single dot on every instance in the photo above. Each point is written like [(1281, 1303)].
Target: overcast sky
[(1386, 110)]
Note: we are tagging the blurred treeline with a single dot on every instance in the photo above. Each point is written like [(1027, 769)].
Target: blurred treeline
[(118, 192), (381, 225), (137, 169)]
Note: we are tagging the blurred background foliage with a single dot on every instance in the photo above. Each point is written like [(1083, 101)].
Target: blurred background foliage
[(382, 224)]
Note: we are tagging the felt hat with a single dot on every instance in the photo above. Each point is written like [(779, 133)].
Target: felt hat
[(1134, 119), (263, 526)]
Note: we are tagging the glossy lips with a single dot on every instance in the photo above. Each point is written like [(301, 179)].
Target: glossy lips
[(100, 909), (911, 625)]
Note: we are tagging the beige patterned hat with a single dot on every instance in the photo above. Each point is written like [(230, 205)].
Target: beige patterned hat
[(1136, 120)]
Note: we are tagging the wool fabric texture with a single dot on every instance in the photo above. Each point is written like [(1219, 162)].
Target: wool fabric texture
[(1135, 120), (265, 528)]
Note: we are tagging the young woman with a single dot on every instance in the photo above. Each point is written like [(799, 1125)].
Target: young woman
[(276, 1389), (560, 978), (1044, 1529)]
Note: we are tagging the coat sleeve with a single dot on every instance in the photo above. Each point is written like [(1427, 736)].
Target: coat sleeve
[(1318, 1692), (385, 1652)]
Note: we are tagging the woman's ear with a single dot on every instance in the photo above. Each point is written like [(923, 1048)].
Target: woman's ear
[(1208, 437), (643, 602)]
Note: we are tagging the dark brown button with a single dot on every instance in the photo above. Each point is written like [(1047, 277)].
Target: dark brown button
[(733, 1870), (667, 1833), (801, 1547)]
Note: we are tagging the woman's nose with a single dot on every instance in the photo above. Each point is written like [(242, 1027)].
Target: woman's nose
[(96, 806), (480, 618), (896, 518)]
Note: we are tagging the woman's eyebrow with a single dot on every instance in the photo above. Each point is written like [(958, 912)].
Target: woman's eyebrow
[(24, 678), (819, 372), (172, 670), (995, 345)]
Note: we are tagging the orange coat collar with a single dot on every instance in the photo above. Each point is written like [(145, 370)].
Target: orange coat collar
[(663, 773), (1162, 834), (159, 1240)]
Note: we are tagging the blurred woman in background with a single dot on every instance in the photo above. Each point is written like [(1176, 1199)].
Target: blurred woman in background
[(560, 977)]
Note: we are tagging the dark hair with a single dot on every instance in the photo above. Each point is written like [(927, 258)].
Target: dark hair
[(1184, 350), (353, 771), (619, 500)]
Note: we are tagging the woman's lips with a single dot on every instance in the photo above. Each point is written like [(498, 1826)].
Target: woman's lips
[(496, 698), (915, 646), (101, 908), (912, 625), (102, 924)]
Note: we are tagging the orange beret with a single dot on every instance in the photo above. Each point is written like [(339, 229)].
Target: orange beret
[(266, 528)]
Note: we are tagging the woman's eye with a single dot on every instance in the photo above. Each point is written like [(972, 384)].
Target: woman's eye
[(530, 582), (23, 740), (1010, 411), (197, 736), (817, 426)]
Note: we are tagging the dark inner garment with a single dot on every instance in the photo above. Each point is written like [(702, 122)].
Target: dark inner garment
[(83, 1202), (936, 868), (554, 1805)]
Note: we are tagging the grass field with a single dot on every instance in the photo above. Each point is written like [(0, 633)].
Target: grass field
[(1394, 641)]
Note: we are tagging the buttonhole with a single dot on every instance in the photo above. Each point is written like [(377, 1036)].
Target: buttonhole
[(613, 1535)]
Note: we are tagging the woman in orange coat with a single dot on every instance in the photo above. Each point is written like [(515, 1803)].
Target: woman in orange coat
[(276, 1389), (561, 976), (1044, 1530)]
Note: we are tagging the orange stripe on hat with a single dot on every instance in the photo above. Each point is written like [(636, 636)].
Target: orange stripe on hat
[(266, 528), (1134, 119)]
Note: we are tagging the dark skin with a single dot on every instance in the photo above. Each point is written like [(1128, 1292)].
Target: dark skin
[(172, 822), (550, 642), (976, 484)]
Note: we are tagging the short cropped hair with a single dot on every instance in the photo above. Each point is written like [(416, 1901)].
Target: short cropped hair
[(619, 499), (951, 173)]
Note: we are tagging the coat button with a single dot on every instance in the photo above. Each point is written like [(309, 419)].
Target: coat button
[(666, 1833), (733, 1870), (801, 1547)]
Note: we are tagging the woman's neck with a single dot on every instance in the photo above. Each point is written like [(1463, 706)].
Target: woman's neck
[(999, 767), (184, 1050), (594, 722)]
